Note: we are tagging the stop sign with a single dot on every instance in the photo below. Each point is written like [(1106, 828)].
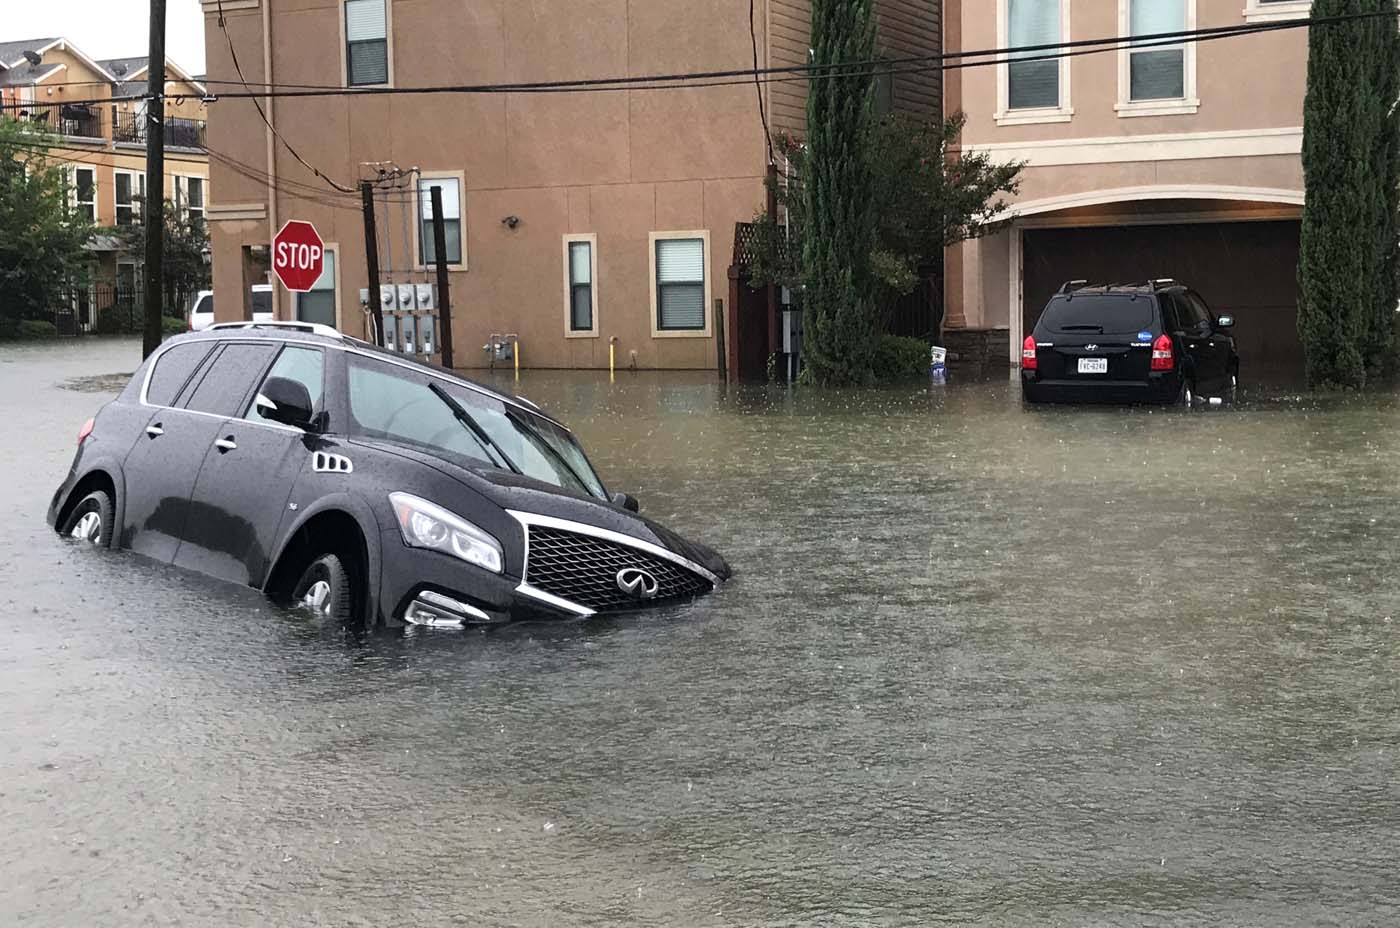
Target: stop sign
[(298, 255)]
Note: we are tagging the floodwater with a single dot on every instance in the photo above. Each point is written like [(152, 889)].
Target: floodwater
[(979, 665)]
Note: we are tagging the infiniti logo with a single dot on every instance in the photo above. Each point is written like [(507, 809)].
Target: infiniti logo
[(637, 583)]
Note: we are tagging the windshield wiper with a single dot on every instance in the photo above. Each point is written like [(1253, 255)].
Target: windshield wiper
[(541, 442), (460, 413)]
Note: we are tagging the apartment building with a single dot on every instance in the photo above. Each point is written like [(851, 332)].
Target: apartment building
[(96, 112), (1176, 161), (575, 220)]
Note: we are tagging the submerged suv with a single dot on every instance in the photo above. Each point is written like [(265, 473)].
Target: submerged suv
[(368, 487), (1156, 342)]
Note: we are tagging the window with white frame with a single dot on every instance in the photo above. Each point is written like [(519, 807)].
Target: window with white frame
[(318, 305), (366, 42), (1159, 78), (680, 284), (189, 198), (1032, 84), (1274, 10), (129, 191), (84, 192), (451, 188), (581, 293)]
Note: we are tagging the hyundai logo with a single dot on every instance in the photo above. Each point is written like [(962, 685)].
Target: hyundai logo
[(637, 583)]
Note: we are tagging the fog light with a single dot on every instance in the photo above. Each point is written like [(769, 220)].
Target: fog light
[(434, 610)]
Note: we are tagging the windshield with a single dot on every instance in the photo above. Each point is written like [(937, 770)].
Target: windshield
[(1115, 313), (387, 401)]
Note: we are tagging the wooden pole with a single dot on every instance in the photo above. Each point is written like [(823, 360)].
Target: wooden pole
[(155, 181), (444, 298), (376, 308), (720, 343)]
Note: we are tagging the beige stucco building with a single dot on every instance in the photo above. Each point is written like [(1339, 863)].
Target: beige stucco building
[(1176, 161), (95, 110), (573, 218)]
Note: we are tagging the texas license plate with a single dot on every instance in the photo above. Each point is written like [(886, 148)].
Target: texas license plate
[(1093, 365)]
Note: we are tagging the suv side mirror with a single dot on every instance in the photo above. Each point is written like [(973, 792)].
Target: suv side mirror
[(627, 502), (1225, 322), (285, 401)]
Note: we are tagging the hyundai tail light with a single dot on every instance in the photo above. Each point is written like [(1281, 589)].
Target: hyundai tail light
[(1163, 358), (1028, 361)]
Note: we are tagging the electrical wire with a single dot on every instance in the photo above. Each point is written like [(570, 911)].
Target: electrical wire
[(223, 27), (758, 87), (914, 64)]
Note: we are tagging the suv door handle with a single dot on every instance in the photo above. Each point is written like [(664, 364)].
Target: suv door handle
[(155, 431), (225, 445)]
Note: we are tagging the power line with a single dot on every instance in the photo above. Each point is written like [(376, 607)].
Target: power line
[(757, 86), (288, 145), (703, 79)]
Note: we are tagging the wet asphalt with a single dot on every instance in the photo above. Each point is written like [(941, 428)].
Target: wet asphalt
[(980, 665)]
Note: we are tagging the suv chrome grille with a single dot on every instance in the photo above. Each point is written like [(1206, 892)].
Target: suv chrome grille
[(584, 570)]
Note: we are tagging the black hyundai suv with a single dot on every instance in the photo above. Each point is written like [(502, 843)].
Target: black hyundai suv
[(370, 488), (1155, 342)]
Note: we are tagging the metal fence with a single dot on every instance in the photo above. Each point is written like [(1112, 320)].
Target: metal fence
[(179, 133), (109, 309)]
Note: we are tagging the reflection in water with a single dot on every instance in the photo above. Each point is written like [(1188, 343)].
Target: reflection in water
[(978, 664)]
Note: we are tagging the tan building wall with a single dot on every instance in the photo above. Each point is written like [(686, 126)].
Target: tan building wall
[(1229, 150), (621, 166)]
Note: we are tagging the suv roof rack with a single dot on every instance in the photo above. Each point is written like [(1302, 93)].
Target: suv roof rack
[(1162, 283), (1069, 285), (312, 328)]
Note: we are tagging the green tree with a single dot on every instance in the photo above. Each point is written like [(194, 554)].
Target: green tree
[(185, 265), (42, 238), (1346, 269), (838, 305), (925, 199)]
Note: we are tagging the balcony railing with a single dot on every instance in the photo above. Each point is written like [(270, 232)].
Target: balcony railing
[(73, 121), (179, 133)]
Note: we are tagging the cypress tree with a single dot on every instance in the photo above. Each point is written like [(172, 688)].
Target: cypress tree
[(1386, 338), (1347, 241), (838, 304)]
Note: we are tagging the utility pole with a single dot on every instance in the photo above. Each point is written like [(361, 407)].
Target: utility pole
[(444, 297), (376, 308), (155, 181)]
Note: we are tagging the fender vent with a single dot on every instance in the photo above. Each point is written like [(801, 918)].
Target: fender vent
[(325, 463)]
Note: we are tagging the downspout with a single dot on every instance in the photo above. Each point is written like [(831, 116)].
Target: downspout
[(272, 225)]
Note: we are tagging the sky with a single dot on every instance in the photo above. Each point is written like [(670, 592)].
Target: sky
[(110, 28)]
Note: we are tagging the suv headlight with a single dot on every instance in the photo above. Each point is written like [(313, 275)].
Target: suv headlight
[(427, 525)]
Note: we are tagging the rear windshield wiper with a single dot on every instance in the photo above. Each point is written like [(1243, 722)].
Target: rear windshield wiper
[(460, 413)]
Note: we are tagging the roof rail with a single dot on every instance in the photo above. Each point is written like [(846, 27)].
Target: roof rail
[(1069, 285), (312, 328), (1161, 283)]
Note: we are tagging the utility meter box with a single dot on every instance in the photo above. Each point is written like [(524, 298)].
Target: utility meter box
[(427, 334), (391, 331), (388, 297), (406, 296), (425, 298), (408, 335)]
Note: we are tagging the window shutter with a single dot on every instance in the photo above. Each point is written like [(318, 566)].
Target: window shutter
[(364, 20), (1033, 84), (680, 261)]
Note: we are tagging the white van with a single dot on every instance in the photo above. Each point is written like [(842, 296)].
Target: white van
[(202, 311)]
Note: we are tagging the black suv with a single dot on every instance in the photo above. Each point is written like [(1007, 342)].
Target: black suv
[(370, 488), (1156, 342)]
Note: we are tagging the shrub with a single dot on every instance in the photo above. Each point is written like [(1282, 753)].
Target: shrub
[(9, 328), (900, 358), (171, 326), (118, 320), (37, 328)]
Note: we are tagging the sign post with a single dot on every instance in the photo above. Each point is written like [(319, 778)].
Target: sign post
[(298, 256)]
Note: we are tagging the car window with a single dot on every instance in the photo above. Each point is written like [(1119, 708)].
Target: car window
[(391, 402), (1108, 313), (229, 377), (172, 370), (205, 305), (306, 366), (262, 301), (1199, 307)]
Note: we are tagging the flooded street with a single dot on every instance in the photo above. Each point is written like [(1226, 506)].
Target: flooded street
[(979, 664)]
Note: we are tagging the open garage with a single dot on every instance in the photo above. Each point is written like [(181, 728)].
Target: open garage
[(1246, 268)]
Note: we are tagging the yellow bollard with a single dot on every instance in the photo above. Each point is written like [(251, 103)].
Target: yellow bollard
[(612, 359), (516, 354)]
